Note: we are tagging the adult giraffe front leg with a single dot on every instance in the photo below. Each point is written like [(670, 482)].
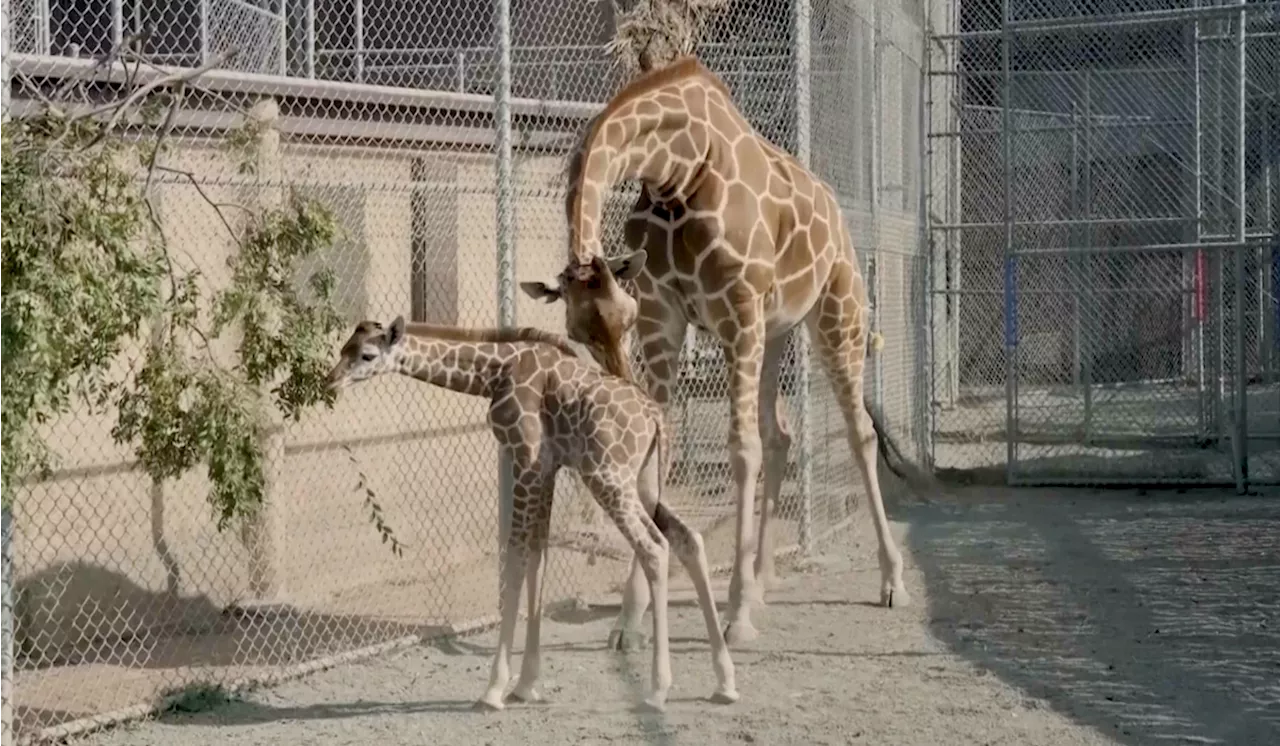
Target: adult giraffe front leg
[(660, 332), (744, 351)]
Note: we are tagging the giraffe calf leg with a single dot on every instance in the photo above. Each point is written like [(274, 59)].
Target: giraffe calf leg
[(627, 634), (688, 547)]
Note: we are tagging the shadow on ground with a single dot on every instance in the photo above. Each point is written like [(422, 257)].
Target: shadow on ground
[(1154, 617)]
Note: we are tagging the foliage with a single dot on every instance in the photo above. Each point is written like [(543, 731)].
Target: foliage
[(89, 280)]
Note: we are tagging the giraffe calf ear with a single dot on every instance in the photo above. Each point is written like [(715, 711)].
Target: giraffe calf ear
[(540, 290), (396, 332), (627, 267)]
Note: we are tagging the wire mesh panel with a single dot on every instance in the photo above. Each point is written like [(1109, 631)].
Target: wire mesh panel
[(1109, 193), (383, 111)]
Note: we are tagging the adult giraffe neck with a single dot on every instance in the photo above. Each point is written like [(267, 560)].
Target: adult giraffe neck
[(621, 144)]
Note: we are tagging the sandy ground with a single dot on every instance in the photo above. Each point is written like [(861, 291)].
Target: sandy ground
[(1038, 618)]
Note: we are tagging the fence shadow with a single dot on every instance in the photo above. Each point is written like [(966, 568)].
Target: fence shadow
[(1152, 617), (121, 644)]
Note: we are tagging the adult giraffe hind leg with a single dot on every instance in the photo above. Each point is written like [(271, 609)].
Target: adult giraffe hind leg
[(838, 330), (660, 332), (777, 443), (745, 353)]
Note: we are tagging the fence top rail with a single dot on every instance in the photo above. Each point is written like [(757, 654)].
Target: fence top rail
[(1138, 18), (234, 81)]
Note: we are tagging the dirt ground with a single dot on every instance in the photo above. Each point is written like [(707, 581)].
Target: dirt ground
[(1038, 617)]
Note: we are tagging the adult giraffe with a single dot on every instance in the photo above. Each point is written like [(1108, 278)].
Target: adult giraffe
[(735, 236)]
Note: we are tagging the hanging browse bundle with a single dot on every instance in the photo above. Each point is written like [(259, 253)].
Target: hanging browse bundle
[(653, 33)]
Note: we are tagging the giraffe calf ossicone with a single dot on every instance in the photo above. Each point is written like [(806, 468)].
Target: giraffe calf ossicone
[(550, 410)]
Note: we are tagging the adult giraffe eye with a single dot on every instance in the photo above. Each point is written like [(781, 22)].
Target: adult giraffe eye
[(369, 357)]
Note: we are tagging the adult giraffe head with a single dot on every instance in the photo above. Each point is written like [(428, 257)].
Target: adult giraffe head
[(598, 311)]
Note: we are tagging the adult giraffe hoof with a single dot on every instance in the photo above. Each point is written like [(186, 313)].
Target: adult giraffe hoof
[(724, 696), (654, 703), (490, 702), (627, 640), (739, 632)]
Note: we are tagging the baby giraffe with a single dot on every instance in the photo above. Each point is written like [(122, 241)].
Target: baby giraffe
[(551, 409)]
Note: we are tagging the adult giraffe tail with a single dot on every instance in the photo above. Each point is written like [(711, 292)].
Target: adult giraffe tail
[(918, 479)]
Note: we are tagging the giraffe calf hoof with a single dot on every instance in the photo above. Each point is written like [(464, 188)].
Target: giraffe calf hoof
[(654, 703), (627, 640), (739, 632), (526, 696), (725, 697), (891, 597), (489, 703)]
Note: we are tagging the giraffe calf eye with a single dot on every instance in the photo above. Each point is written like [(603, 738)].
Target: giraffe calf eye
[(368, 357)]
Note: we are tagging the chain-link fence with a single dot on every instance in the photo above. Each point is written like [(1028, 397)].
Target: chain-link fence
[(1108, 252), (395, 115)]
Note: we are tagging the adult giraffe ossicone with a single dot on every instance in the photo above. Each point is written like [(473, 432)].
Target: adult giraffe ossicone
[(734, 235)]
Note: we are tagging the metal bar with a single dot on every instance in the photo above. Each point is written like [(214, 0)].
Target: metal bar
[(1077, 264), (1010, 272), (44, 20), (1242, 217), (1090, 307), (955, 242), (505, 249), (359, 41), (877, 181), (1064, 223), (1136, 249), (7, 623), (1199, 300), (1099, 123), (802, 17), (284, 37), (117, 24), (311, 38), (206, 53), (1110, 20), (235, 81), (1267, 291)]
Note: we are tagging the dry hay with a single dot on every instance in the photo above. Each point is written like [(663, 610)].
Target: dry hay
[(654, 33)]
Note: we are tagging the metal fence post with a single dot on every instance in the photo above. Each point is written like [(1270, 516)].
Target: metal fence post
[(877, 182), (7, 623), (311, 38), (205, 52), (1241, 436), (505, 228), (359, 41), (117, 23), (803, 11), (1010, 273)]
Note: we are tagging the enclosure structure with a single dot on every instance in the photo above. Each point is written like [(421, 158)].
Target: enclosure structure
[(438, 133), (1106, 256)]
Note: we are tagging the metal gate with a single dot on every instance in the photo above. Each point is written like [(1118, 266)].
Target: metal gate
[(1106, 262)]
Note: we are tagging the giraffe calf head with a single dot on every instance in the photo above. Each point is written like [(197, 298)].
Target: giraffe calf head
[(598, 312), (370, 350)]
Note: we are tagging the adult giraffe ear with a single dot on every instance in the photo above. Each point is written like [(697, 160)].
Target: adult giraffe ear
[(541, 291), (396, 332), (627, 267)]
